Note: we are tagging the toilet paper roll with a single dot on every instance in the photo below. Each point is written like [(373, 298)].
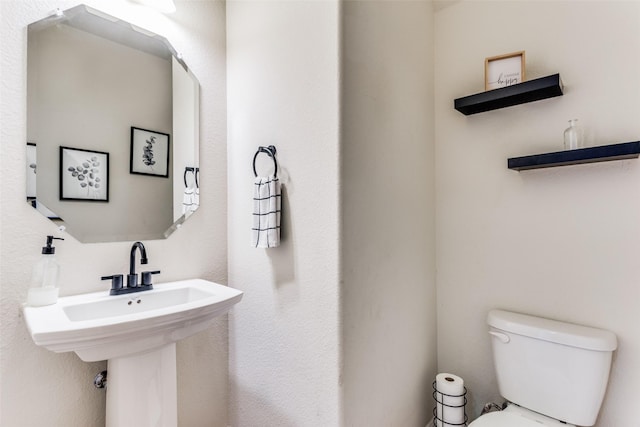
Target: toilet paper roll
[(449, 400)]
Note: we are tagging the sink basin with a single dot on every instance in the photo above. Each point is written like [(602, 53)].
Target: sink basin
[(99, 326), (137, 334)]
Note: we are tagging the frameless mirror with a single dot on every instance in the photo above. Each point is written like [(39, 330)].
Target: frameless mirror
[(112, 128)]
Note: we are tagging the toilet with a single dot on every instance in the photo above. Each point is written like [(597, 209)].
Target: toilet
[(551, 373)]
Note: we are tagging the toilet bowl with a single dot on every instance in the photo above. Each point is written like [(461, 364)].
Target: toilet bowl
[(551, 373)]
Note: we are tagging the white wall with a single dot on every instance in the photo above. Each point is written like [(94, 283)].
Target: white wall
[(290, 365), (387, 212), (283, 66), (39, 386), (560, 242)]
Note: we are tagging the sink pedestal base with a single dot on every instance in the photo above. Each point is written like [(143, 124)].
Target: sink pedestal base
[(142, 389)]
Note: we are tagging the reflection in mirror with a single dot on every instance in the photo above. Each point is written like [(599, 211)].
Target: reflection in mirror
[(125, 107)]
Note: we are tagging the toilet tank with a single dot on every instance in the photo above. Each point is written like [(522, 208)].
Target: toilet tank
[(558, 369)]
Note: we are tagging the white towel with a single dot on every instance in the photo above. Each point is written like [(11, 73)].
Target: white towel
[(265, 232), (188, 202), (191, 197)]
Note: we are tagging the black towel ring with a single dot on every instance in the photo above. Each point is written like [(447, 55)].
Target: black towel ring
[(195, 174), (271, 151)]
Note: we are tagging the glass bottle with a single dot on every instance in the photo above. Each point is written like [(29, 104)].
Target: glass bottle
[(44, 280), (573, 136)]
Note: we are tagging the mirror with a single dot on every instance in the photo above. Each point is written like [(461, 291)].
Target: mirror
[(112, 128)]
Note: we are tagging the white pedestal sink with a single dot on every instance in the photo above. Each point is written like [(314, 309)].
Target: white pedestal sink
[(136, 333)]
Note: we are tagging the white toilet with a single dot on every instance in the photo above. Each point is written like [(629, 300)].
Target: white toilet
[(551, 373)]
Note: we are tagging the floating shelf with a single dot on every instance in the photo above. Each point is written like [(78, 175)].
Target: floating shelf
[(521, 93), (604, 153)]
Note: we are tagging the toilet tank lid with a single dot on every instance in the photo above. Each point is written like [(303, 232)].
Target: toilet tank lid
[(552, 330)]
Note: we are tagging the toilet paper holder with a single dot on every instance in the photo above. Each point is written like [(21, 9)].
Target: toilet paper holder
[(442, 406)]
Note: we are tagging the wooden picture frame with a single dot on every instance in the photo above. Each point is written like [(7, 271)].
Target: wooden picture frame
[(149, 152), (504, 70), (84, 175)]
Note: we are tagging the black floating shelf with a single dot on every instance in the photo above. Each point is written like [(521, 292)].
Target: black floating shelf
[(521, 93), (604, 153)]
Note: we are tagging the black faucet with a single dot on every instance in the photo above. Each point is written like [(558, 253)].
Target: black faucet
[(132, 277)]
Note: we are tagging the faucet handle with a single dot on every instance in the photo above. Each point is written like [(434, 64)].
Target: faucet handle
[(116, 281), (146, 277)]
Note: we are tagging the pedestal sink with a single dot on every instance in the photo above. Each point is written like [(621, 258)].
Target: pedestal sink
[(137, 334)]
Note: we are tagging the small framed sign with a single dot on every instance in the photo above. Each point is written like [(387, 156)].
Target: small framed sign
[(504, 70)]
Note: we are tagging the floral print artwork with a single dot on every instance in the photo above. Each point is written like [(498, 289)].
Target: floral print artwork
[(149, 153), (84, 174)]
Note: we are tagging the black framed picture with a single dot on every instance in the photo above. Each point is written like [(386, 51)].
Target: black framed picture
[(84, 175), (149, 153)]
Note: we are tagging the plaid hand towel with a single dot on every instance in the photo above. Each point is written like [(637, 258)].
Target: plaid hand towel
[(267, 203), (188, 201)]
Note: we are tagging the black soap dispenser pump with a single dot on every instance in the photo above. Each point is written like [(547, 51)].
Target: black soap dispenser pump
[(44, 279)]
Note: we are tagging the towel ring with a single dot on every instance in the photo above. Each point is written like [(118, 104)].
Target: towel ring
[(195, 171), (271, 151)]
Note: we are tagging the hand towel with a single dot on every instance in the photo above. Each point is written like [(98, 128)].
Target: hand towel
[(196, 199), (188, 201), (267, 202), (191, 196)]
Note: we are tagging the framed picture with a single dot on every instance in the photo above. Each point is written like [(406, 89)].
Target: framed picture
[(149, 152), (31, 170), (504, 70), (84, 175)]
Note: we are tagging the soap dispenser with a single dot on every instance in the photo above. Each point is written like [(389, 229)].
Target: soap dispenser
[(44, 280)]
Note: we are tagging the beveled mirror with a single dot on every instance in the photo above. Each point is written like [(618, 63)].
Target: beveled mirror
[(112, 128)]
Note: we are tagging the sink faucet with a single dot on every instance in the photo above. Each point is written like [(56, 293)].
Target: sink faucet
[(132, 277)]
